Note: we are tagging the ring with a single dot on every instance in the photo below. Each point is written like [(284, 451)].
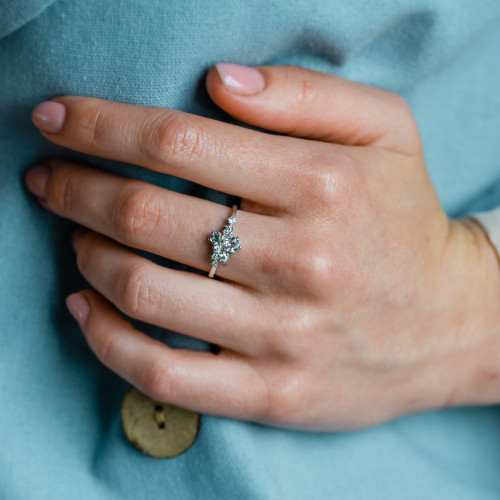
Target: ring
[(224, 243)]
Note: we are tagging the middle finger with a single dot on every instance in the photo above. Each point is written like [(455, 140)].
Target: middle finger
[(246, 163)]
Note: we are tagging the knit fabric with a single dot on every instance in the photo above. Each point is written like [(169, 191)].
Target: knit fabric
[(60, 407)]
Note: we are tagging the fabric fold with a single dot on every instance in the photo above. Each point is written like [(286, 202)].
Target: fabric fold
[(17, 13)]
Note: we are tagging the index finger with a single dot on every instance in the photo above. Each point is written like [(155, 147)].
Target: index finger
[(225, 157)]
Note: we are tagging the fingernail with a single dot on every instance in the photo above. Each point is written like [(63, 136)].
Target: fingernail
[(49, 116), (78, 307), (37, 179), (240, 79), (77, 238)]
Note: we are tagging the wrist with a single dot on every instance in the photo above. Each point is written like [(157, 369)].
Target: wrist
[(476, 325)]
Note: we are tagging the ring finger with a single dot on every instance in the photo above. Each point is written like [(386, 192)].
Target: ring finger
[(151, 218)]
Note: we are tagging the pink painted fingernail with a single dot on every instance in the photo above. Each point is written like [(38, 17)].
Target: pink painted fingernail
[(240, 79), (37, 179), (78, 307), (49, 116)]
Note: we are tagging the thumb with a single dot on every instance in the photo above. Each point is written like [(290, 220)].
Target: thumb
[(314, 105)]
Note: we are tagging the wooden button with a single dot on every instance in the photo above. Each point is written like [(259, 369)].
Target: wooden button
[(155, 428)]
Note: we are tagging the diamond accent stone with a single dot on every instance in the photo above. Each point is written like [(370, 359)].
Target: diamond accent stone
[(235, 242), (224, 243), (215, 238)]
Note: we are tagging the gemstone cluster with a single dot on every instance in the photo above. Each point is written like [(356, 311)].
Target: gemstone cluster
[(224, 243)]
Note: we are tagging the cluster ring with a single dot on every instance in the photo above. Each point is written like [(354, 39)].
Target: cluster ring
[(224, 243)]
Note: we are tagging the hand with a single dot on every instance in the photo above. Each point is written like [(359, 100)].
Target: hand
[(353, 299)]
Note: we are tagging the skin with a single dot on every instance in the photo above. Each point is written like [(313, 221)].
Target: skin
[(354, 298)]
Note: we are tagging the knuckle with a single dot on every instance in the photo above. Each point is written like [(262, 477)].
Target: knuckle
[(158, 379), (400, 104), (137, 214), (321, 184), (401, 132), (404, 117), (85, 257), (285, 398), (291, 340), (311, 267), (324, 186), (62, 192), (179, 138), (137, 295), (94, 125), (105, 347), (307, 92), (306, 266)]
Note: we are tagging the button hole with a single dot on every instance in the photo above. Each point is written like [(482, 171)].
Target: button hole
[(160, 416)]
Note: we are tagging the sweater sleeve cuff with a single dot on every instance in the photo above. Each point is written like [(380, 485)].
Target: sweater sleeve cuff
[(491, 223)]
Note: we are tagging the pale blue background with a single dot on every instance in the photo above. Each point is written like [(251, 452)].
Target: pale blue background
[(60, 429)]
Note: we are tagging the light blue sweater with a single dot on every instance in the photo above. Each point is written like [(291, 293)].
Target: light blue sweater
[(60, 429)]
